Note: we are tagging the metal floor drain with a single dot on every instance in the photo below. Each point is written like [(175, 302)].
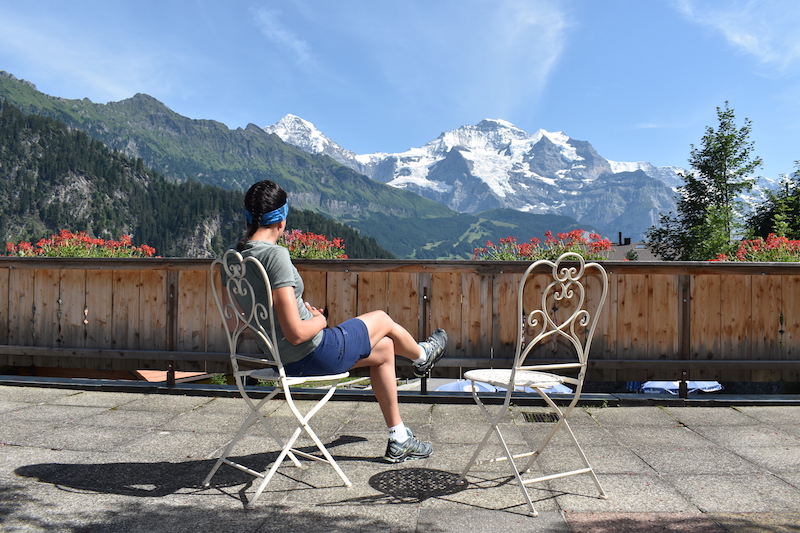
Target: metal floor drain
[(540, 417)]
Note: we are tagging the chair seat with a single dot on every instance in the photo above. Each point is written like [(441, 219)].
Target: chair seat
[(269, 374), (500, 377)]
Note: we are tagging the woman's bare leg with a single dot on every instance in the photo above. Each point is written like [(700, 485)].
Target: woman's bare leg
[(384, 378), (380, 325)]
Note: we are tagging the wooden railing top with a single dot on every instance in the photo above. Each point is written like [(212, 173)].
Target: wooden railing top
[(407, 265)]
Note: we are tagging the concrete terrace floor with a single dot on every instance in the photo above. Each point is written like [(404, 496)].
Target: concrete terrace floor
[(77, 460)]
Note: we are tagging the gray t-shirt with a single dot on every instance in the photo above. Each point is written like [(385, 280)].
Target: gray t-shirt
[(282, 273)]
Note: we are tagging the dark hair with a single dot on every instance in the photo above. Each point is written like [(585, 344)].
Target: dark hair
[(262, 197)]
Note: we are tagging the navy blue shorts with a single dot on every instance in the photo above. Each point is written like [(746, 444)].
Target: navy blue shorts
[(342, 346)]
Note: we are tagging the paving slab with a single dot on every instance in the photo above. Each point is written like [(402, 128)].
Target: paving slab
[(111, 462)]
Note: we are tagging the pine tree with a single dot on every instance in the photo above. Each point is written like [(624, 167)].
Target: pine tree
[(780, 212), (709, 213)]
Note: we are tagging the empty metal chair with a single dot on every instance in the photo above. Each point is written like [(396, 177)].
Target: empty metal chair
[(557, 314)]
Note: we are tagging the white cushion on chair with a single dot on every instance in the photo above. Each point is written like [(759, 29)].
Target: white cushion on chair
[(266, 374), (500, 377)]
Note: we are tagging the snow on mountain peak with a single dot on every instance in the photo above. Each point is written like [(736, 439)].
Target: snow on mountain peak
[(301, 133), (494, 164)]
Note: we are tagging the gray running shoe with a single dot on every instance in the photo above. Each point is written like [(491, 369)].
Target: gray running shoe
[(434, 348), (398, 452)]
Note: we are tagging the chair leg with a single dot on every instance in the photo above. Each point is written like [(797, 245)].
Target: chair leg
[(268, 477), (288, 447), (252, 418), (248, 422), (563, 423), (494, 421)]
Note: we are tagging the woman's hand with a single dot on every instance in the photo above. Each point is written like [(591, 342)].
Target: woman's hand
[(315, 311), (294, 328)]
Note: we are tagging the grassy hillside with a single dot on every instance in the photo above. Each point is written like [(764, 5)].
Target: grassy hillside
[(54, 178)]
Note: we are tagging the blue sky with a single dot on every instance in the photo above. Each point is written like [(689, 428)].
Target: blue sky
[(639, 79)]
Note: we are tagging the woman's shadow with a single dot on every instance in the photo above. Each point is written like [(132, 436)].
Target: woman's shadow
[(155, 479)]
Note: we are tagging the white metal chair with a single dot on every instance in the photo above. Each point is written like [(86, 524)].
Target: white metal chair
[(559, 318), (244, 298)]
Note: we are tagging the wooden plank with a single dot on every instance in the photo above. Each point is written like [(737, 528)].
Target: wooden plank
[(73, 316), (476, 316), (633, 304), (766, 323), (315, 289), (445, 309), (192, 307), (373, 292), (602, 346), (706, 318), (412, 265), (100, 315), (21, 313), (790, 313), (216, 338), (736, 313), (662, 316), (404, 301), (126, 285), (4, 304), (153, 310), (505, 317), (46, 304), (342, 296)]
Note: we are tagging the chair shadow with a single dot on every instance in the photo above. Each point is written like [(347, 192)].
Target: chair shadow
[(156, 479), (407, 485), (415, 485)]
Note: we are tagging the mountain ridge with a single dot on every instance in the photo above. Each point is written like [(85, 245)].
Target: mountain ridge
[(493, 164), (184, 149)]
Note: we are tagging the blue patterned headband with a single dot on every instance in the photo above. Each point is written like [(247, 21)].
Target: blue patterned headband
[(270, 218)]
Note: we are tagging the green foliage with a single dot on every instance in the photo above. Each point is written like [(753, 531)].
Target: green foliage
[(708, 212), (218, 379), (780, 212)]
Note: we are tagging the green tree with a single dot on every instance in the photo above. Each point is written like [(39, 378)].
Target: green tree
[(780, 212), (708, 212)]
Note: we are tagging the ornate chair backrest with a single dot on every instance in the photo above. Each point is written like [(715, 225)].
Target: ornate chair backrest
[(561, 312), (243, 296)]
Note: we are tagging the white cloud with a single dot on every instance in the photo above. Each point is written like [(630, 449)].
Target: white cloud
[(270, 26), (765, 29), (533, 37)]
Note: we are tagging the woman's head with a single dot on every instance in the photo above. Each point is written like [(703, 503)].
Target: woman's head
[(265, 204), (264, 198)]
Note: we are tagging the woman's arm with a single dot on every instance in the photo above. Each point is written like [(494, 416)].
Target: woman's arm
[(295, 329)]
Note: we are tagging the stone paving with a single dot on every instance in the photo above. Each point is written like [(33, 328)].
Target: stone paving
[(83, 460)]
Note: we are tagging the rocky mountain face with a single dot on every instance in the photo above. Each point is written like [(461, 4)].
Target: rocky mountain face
[(494, 164)]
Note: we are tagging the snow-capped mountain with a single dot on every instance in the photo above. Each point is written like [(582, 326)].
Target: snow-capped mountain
[(494, 164)]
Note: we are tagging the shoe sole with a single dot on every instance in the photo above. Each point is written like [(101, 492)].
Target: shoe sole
[(403, 459)]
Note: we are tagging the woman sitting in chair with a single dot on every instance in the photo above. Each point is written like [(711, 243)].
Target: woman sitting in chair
[(308, 347)]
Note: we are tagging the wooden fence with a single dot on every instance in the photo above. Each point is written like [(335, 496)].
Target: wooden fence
[(727, 322)]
